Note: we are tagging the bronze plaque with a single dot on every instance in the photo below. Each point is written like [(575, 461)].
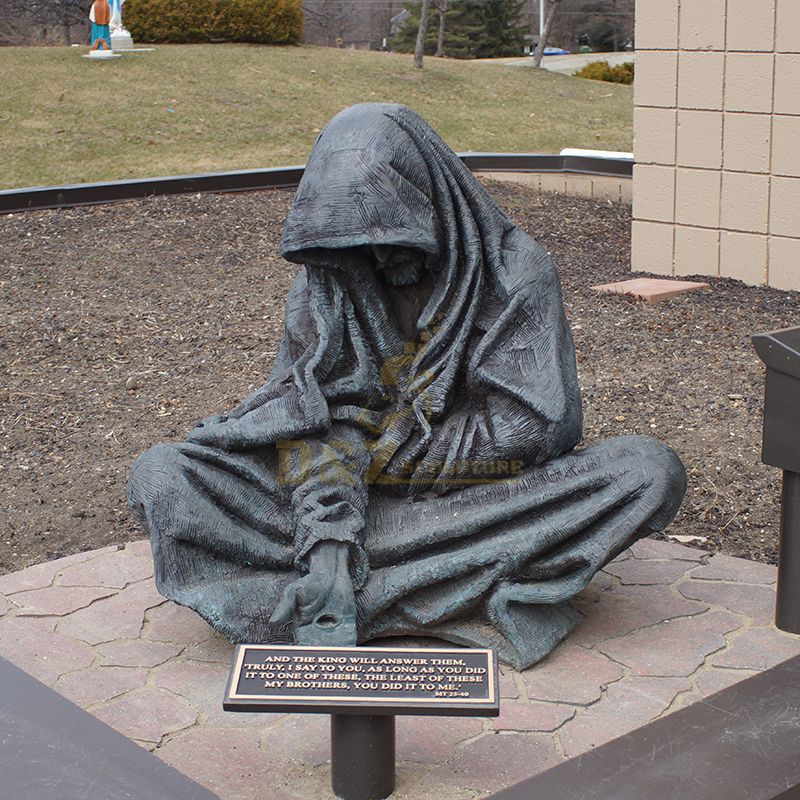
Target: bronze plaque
[(363, 680)]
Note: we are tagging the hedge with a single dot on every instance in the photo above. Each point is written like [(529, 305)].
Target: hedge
[(191, 21), (602, 71)]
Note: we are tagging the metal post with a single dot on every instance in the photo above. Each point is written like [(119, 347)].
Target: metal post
[(362, 756), (787, 608), (541, 18)]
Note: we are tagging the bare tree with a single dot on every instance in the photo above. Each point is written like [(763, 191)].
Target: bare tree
[(551, 6), (26, 22), (442, 6), (608, 24), (423, 30), (330, 20), (14, 22)]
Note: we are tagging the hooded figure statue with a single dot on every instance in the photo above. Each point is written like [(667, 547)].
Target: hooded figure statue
[(408, 468)]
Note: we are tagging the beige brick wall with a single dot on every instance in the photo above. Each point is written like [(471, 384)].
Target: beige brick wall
[(716, 187)]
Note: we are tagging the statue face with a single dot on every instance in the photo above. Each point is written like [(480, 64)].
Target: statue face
[(398, 266)]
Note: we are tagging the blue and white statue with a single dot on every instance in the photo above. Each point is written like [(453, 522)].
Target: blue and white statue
[(120, 37)]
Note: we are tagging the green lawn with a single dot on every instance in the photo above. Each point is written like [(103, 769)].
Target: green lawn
[(195, 108)]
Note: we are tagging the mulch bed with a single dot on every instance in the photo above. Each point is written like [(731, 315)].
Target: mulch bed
[(123, 324)]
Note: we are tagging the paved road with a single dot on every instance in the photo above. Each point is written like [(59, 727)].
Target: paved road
[(566, 65)]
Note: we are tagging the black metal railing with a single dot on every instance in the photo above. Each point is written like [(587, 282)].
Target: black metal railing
[(80, 194)]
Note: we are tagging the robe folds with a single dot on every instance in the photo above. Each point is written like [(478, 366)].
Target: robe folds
[(443, 457)]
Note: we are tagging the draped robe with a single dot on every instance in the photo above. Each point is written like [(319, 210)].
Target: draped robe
[(444, 460)]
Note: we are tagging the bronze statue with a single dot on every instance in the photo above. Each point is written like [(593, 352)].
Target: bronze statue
[(408, 468)]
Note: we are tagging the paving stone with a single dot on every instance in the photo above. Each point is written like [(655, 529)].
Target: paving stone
[(618, 611), (711, 681), (756, 602), (676, 647), (623, 556), (727, 568), (137, 653), (541, 717), (497, 760), (432, 739), (5, 605), (758, 649), (299, 737), (651, 290), (685, 699), (601, 581), (660, 551), (57, 601), (647, 573), (303, 782), (571, 674), (626, 705), (117, 617), (429, 791), (115, 570), (234, 768), (32, 644), (40, 575), (173, 623), (141, 547), (203, 684), (508, 686), (217, 649), (99, 684), (147, 715)]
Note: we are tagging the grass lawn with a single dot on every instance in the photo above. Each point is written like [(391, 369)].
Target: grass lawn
[(195, 108)]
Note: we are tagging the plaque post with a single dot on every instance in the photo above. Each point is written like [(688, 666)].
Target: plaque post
[(362, 756), (363, 689)]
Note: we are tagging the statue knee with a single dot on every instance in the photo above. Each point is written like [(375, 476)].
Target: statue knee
[(153, 473), (659, 464), (665, 473), (665, 463)]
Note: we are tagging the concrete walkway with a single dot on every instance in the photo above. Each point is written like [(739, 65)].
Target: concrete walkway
[(665, 626)]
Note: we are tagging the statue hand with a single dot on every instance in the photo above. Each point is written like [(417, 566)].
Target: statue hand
[(321, 604), (218, 430), (214, 419)]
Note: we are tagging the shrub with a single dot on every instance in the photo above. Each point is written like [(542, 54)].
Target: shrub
[(602, 71), (191, 21)]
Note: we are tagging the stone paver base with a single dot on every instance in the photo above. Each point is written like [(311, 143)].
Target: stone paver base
[(665, 626), (651, 290)]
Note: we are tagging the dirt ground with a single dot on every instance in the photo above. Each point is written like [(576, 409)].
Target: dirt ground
[(123, 324)]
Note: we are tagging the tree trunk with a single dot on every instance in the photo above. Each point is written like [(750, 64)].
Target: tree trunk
[(549, 16), (423, 30), (614, 26), (440, 40)]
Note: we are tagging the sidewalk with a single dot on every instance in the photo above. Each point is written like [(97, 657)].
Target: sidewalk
[(665, 626)]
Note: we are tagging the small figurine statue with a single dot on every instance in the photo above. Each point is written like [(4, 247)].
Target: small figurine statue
[(100, 17), (409, 467)]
